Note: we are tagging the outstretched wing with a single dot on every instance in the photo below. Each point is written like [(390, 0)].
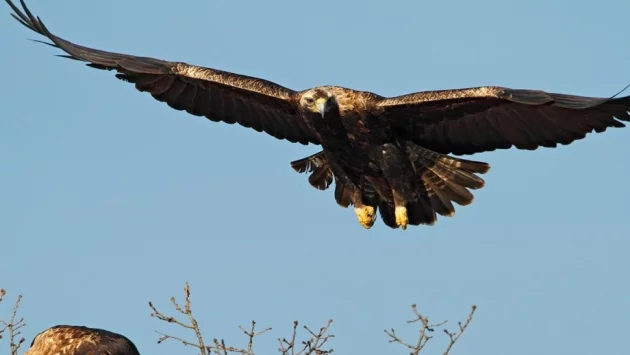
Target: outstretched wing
[(217, 95), (473, 120)]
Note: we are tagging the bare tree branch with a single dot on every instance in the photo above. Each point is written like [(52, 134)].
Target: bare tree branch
[(193, 324), (313, 345), (12, 326), (426, 326), (462, 328), (220, 347)]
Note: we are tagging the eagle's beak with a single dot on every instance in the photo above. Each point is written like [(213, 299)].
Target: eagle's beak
[(322, 106)]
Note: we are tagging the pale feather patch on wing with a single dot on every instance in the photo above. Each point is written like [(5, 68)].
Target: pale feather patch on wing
[(242, 82), (424, 96)]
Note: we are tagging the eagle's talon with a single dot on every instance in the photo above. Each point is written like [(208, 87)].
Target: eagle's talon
[(366, 216), (401, 217)]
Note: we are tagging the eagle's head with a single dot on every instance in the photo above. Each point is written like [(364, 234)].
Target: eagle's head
[(70, 339), (318, 100)]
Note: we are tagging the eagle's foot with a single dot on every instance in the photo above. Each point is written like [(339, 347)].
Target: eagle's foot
[(366, 216), (401, 216)]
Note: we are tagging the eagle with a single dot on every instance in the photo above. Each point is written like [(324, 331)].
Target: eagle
[(80, 340), (392, 155)]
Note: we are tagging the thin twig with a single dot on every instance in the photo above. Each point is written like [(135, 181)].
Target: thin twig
[(314, 344), (12, 325), (462, 328), (221, 348), (187, 311), (425, 327)]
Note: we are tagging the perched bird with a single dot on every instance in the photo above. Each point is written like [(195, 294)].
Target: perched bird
[(386, 154), (79, 340)]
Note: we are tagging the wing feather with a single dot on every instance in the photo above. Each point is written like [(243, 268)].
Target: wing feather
[(472, 120), (218, 95)]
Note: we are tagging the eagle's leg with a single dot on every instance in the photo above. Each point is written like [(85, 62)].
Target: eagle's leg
[(396, 169), (365, 214), (347, 192), (400, 210)]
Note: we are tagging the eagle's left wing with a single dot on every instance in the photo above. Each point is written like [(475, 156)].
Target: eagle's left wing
[(466, 121)]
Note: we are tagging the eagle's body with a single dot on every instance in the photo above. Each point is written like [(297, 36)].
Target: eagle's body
[(79, 340), (370, 155), (340, 155), (348, 161), (384, 153)]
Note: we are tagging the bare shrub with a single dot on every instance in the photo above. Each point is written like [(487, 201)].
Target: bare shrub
[(425, 328), (314, 342), (12, 326), (302, 341)]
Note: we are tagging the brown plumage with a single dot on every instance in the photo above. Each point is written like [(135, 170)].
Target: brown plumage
[(442, 180), (386, 154), (321, 176), (79, 340)]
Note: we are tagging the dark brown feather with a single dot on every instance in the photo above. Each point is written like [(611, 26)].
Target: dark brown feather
[(343, 193), (321, 175), (446, 178), (421, 211), (386, 211)]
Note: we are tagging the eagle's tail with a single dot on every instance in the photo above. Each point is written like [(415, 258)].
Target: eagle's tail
[(442, 180), (386, 210)]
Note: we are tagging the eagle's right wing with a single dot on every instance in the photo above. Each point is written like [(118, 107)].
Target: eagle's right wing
[(217, 95)]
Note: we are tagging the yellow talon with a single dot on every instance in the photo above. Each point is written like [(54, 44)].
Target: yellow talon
[(401, 217), (366, 216)]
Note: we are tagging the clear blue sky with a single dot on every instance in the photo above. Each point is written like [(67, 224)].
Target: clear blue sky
[(111, 199)]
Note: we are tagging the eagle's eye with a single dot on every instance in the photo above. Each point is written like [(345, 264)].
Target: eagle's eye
[(309, 100)]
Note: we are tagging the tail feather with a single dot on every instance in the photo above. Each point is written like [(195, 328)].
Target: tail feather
[(441, 203), (421, 211), (445, 180), (459, 171), (459, 194), (386, 211), (468, 165)]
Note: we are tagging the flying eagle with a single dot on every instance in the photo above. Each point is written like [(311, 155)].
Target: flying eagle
[(386, 154), (79, 340)]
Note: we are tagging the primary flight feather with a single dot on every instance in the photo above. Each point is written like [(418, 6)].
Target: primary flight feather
[(384, 154)]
